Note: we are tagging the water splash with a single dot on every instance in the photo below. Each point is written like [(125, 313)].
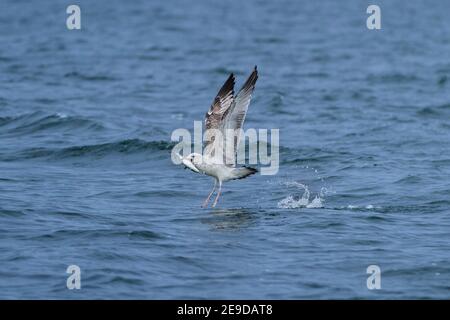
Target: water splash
[(293, 201)]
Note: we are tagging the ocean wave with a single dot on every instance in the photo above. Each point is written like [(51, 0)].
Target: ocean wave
[(89, 77), (11, 213), (393, 78), (436, 111), (38, 121), (129, 146), (97, 233)]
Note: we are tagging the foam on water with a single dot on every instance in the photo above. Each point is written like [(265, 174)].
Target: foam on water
[(356, 207)]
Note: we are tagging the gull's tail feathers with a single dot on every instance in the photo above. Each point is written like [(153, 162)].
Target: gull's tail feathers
[(242, 172)]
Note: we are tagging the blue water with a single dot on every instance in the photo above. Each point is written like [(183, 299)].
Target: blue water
[(86, 177)]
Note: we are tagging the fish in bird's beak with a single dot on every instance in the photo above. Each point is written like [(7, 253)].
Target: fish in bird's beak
[(189, 165)]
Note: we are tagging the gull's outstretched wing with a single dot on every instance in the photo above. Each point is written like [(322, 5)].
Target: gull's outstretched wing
[(234, 116), (214, 116)]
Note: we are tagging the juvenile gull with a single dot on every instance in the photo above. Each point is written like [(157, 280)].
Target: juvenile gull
[(226, 113)]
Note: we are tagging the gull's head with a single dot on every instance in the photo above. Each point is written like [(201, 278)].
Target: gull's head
[(190, 160)]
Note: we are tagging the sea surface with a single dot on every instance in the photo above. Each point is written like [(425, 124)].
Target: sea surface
[(86, 177)]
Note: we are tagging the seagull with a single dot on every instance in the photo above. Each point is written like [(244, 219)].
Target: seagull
[(227, 112)]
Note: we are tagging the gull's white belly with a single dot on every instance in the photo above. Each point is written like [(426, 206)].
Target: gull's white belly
[(219, 171)]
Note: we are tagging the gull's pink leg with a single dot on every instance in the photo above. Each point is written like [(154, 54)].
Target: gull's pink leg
[(205, 203), (218, 194)]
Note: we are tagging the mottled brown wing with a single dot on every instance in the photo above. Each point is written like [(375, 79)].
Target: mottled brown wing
[(214, 116)]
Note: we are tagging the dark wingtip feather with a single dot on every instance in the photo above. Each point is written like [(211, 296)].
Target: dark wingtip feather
[(227, 86), (251, 81), (253, 170), (248, 173)]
